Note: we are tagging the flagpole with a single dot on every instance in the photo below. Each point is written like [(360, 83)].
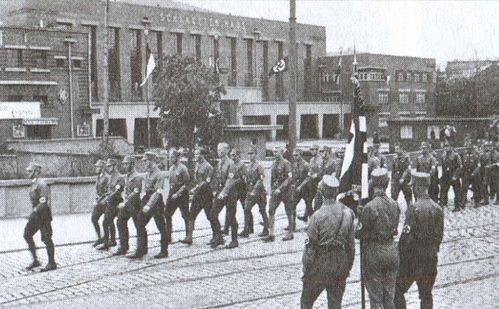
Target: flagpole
[(105, 95), (292, 76), (146, 22)]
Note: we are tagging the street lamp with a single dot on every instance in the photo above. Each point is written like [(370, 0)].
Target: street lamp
[(146, 22), (256, 33)]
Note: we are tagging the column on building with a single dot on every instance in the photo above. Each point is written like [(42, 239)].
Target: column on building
[(320, 124), (130, 127), (273, 121)]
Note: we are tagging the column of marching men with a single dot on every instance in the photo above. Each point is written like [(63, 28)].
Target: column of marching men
[(389, 269)]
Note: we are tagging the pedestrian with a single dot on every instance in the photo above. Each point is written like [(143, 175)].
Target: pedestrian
[(470, 174), (225, 196), (152, 206), (280, 180), (99, 208), (451, 169), (178, 195), (113, 198), (401, 175), (40, 218), (130, 207), (256, 194), (419, 245), (313, 178), (426, 163), (378, 223), (301, 185), (329, 249), (202, 193)]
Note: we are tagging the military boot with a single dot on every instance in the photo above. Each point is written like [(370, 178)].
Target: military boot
[(190, 229), (34, 264), (219, 241)]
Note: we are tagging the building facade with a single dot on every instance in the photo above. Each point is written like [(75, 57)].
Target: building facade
[(44, 84), (244, 50), (392, 86), (466, 68)]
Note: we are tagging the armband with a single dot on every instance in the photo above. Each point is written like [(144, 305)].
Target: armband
[(136, 190), (42, 200), (117, 187), (208, 180)]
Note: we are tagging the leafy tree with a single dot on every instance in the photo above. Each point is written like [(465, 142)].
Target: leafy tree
[(187, 94)]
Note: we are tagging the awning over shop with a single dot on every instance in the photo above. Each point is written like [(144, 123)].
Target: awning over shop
[(40, 122)]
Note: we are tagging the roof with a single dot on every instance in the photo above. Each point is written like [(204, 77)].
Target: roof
[(442, 119), (165, 4), (246, 128)]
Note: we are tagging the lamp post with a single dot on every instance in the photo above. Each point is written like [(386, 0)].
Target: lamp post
[(256, 33), (146, 22)]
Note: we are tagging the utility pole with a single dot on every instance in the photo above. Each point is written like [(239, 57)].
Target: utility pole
[(105, 77), (292, 76), (146, 22)]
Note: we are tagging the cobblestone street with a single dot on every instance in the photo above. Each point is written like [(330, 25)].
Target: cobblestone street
[(255, 275)]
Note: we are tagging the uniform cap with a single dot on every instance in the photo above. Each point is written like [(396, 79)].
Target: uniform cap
[(380, 178), (111, 161), (420, 179), (252, 150), (175, 152), (100, 163), (425, 145), (325, 148), (128, 159), (297, 151), (149, 155), (314, 147), (34, 165), (330, 182)]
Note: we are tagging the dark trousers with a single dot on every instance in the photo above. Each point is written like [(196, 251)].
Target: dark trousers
[(129, 210), (231, 203), (275, 202), (419, 269), (40, 221), (202, 199), (156, 212), (467, 182), (433, 190), (172, 205), (405, 188), (109, 215), (261, 200), (97, 212), (444, 191), (241, 197)]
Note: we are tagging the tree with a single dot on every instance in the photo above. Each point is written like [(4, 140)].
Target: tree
[(187, 94)]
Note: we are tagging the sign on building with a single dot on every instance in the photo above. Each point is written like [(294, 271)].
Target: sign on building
[(19, 110)]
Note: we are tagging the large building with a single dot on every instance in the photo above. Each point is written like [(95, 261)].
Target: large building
[(393, 87), (466, 68), (244, 48), (44, 84)]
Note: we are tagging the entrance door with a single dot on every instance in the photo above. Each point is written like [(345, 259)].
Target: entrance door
[(38, 132)]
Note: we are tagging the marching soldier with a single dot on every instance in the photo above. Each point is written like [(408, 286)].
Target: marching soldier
[(130, 207), (314, 176), (451, 168), (330, 165), (202, 192), (178, 196), (377, 227), (99, 207), (426, 163), (470, 172), (40, 218), (255, 175), (401, 175), (240, 188), (113, 198), (486, 163), (280, 179), (495, 172), (419, 244), (301, 186), (226, 196), (329, 249), (152, 207)]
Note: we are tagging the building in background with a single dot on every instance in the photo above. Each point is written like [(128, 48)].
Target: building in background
[(393, 87), (466, 68), (44, 84), (244, 50)]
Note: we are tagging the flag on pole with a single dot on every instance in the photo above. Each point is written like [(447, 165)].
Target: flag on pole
[(217, 66), (279, 67), (338, 70), (151, 64)]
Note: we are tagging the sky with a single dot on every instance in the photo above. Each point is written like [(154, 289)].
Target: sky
[(444, 30)]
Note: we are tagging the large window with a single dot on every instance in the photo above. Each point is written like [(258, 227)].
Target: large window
[(197, 46), (249, 60), (383, 98), (265, 75), (406, 132), (179, 42), (420, 98), (136, 63), (279, 86), (408, 76), (404, 98), (39, 59), (233, 62), (92, 30), (114, 64), (424, 77), (383, 123)]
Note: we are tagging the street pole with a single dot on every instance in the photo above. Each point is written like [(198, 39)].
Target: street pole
[(146, 22), (105, 78), (292, 76), (70, 77)]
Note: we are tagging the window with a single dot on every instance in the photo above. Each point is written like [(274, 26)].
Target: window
[(265, 47), (424, 77), (14, 98), (382, 98), (416, 77), (114, 64), (404, 98), (41, 98), (64, 25), (93, 61), (136, 63), (279, 85), (15, 58), (400, 76), (307, 72), (406, 132), (382, 123), (249, 57), (197, 39), (179, 42), (420, 98), (325, 77), (333, 98), (233, 62), (77, 63), (39, 59), (159, 46), (59, 63), (408, 76)]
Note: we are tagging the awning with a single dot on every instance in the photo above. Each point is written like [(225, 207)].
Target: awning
[(40, 122)]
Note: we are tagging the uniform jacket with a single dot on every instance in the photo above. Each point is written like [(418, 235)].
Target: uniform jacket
[(425, 164), (39, 196), (331, 166), (254, 178), (101, 184), (300, 173), (203, 175), (401, 169), (470, 163), (280, 175), (225, 166), (315, 165), (133, 184), (154, 181), (451, 165), (179, 178)]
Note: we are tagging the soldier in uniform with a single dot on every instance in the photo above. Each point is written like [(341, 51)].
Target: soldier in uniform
[(330, 165), (256, 194), (240, 188), (377, 227), (301, 186), (329, 249), (486, 163), (226, 177), (99, 207), (419, 244), (202, 192), (178, 195), (426, 163), (401, 175), (280, 179), (40, 218), (130, 207), (470, 161), (451, 169), (495, 172), (152, 207), (315, 165), (113, 198)]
